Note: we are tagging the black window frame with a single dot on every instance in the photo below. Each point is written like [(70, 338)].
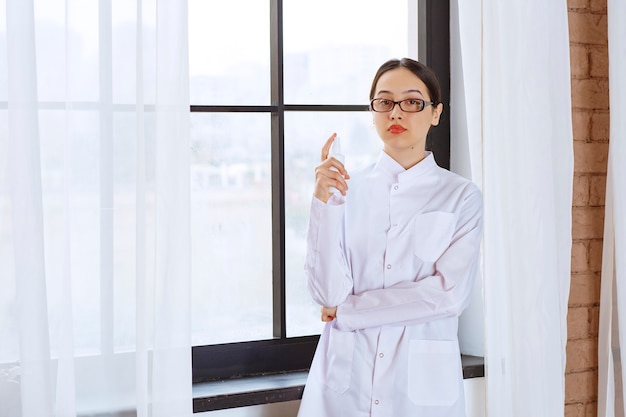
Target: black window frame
[(289, 354)]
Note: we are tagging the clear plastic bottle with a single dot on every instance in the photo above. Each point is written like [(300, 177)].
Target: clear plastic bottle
[(335, 152)]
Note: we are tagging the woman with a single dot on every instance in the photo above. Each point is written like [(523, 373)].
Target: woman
[(392, 258)]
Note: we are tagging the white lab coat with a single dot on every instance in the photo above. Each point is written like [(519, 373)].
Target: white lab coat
[(398, 256)]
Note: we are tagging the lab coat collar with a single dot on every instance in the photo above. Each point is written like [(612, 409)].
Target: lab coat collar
[(393, 169)]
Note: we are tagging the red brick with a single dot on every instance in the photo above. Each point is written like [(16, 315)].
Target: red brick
[(584, 290), (594, 321), (580, 262), (581, 386), (591, 409), (579, 61), (599, 61), (590, 94), (599, 126), (591, 158), (582, 355), (581, 120), (595, 255), (578, 324), (587, 28), (575, 410), (588, 409), (597, 190), (588, 222), (577, 4), (598, 6), (590, 122), (580, 197)]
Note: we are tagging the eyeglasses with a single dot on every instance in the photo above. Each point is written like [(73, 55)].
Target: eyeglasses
[(409, 105)]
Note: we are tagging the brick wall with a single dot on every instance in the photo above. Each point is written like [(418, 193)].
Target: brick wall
[(590, 111)]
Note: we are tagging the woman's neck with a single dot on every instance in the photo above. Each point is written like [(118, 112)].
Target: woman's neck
[(407, 158)]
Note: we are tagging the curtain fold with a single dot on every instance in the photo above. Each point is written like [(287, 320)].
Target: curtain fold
[(466, 155), (517, 112), (172, 352), (612, 329), (94, 209), (27, 213)]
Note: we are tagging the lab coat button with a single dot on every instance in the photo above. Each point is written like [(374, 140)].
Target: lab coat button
[(376, 402), (388, 266), (381, 355), (395, 187)]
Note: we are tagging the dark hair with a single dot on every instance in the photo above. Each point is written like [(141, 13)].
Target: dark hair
[(420, 70)]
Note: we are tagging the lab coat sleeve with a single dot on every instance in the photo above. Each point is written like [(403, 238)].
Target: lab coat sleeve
[(328, 278), (444, 294)]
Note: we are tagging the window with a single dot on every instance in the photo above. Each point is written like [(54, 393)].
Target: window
[(270, 81)]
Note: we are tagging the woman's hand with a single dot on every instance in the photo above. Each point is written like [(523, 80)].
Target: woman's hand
[(329, 313), (329, 173)]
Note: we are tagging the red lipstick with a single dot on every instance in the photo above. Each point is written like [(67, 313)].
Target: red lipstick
[(396, 129)]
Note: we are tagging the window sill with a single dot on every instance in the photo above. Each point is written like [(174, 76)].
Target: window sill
[(243, 392)]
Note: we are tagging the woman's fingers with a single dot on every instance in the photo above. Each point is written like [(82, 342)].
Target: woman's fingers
[(332, 178), (329, 313), (327, 145), (332, 166), (327, 175), (338, 166), (330, 173)]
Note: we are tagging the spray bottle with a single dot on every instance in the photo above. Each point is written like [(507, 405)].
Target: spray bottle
[(335, 152)]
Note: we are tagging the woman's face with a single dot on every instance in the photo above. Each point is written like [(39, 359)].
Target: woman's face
[(400, 131)]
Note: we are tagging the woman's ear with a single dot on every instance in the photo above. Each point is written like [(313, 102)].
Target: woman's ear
[(437, 114)]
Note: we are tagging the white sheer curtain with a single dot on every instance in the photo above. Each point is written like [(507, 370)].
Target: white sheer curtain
[(94, 208), (612, 333), (511, 61)]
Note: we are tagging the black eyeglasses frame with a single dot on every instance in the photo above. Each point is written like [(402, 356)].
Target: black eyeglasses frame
[(399, 103)]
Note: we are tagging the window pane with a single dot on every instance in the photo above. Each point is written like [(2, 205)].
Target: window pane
[(333, 48), (124, 38), (305, 133), (67, 44), (70, 169), (229, 52), (231, 227)]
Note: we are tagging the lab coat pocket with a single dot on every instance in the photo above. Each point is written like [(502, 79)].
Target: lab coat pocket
[(435, 372), (433, 234), (340, 353)]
